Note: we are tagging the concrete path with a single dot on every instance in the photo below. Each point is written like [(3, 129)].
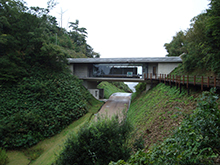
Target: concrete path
[(116, 104)]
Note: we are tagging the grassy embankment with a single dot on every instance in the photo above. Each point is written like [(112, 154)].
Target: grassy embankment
[(44, 152), (47, 148), (158, 112), (110, 88)]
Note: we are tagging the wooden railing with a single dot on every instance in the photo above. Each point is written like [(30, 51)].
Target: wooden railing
[(185, 80)]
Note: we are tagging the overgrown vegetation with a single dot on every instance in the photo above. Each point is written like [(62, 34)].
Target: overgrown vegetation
[(156, 113), (30, 37), (38, 95), (39, 106), (98, 142), (113, 87), (195, 141), (200, 43), (140, 87), (47, 148), (3, 157)]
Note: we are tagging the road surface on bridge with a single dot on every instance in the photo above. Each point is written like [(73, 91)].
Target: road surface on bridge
[(116, 104)]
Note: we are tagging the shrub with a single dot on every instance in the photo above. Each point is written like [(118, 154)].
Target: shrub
[(97, 143), (140, 87), (39, 106), (3, 157), (196, 141)]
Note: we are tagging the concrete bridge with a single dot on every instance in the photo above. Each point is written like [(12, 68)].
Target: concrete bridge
[(94, 70)]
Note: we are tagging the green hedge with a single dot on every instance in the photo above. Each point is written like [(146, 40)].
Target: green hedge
[(39, 106), (97, 143)]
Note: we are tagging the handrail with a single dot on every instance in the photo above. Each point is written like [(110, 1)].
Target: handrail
[(208, 81)]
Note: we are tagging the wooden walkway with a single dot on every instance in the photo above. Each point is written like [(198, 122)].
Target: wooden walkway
[(186, 80)]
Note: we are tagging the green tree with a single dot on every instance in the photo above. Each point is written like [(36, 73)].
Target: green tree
[(98, 143), (213, 31), (23, 36), (196, 44), (176, 46)]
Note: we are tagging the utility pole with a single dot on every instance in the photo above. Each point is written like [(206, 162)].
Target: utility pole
[(62, 12)]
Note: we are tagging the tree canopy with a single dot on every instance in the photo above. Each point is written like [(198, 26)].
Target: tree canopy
[(201, 42), (30, 37)]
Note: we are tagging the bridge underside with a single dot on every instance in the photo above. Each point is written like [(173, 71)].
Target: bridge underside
[(113, 79), (92, 71)]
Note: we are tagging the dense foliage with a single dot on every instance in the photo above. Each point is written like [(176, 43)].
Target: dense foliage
[(38, 95), (30, 37), (200, 43), (98, 143), (140, 87), (196, 140), (39, 106), (3, 157)]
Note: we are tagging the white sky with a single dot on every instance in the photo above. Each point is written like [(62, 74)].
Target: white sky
[(128, 28)]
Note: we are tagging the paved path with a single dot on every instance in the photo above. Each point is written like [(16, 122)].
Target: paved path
[(116, 103)]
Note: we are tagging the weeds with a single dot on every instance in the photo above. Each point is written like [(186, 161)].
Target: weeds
[(196, 141), (3, 157)]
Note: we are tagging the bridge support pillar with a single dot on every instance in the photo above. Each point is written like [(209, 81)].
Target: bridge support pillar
[(90, 84), (151, 84), (92, 88), (148, 87)]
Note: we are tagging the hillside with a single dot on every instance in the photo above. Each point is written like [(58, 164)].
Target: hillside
[(158, 112), (158, 117), (39, 97), (199, 44), (43, 152)]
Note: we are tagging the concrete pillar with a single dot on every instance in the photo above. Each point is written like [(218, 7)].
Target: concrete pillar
[(148, 87), (95, 93), (71, 67), (90, 84), (92, 88)]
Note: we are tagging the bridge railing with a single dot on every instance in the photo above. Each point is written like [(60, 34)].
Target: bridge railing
[(208, 81)]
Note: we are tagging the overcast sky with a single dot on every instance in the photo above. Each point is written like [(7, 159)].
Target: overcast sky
[(127, 28)]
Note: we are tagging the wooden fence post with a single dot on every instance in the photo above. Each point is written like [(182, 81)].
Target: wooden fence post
[(170, 81), (187, 84), (183, 79), (215, 81), (202, 83), (176, 82), (208, 82), (165, 79), (194, 80), (160, 77)]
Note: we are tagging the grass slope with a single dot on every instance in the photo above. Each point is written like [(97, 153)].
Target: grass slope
[(44, 152), (109, 89), (158, 112)]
